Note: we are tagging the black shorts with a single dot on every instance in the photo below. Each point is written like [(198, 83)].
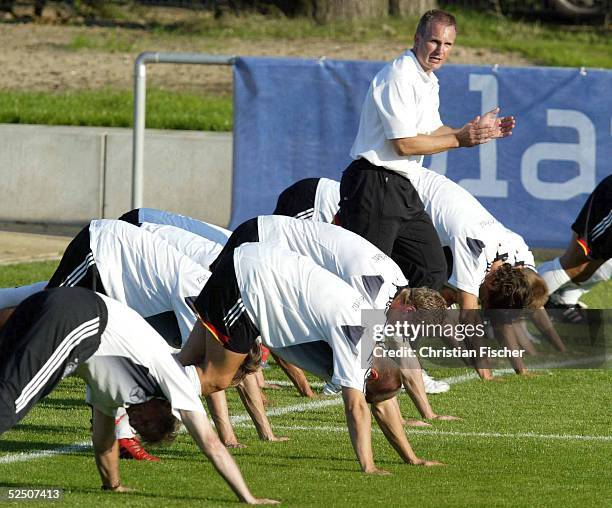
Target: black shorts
[(78, 266), (298, 200), (247, 232), (132, 217), (222, 311), (47, 337), (384, 208), (594, 222)]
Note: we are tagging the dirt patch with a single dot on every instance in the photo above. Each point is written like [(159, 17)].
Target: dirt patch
[(63, 58)]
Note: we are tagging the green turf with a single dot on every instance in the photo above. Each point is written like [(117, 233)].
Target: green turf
[(114, 108), (504, 467)]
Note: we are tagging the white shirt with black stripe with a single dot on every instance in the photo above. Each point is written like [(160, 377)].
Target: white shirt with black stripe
[(352, 258), (475, 237), (145, 272), (134, 364), (294, 301), (326, 204)]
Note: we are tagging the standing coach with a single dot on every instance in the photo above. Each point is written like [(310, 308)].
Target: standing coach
[(400, 124)]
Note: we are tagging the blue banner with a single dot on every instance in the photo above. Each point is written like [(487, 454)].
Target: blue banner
[(298, 118)]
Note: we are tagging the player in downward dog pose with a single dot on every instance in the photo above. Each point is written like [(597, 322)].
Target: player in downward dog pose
[(74, 331), (205, 250), (146, 273), (308, 316), (352, 258), (318, 199)]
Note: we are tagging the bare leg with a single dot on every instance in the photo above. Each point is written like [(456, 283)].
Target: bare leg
[(543, 323), (577, 265), (192, 352), (219, 366)]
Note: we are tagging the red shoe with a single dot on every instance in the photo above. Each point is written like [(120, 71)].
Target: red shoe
[(131, 448)]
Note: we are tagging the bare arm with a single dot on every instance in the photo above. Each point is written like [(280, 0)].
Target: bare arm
[(543, 323), (388, 417), (106, 451), (200, 430), (504, 332), (217, 405), (359, 422), (412, 379), (468, 303), (250, 393), (296, 375)]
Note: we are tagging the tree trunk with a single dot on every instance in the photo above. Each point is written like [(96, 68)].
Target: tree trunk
[(411, 7), (331, 10)]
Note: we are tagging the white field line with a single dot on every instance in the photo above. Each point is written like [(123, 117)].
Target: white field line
[(297, 408), (427, 432)]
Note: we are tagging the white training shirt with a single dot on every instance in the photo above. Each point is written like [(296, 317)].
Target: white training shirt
[(145, 272), (349, 256), (327, 200), (202, 250), (475, 237), (294, 301), (210, 231), (518, 251), (402, 101), (133, 364)]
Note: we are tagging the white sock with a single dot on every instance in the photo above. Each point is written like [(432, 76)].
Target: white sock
[(554, 275), (11, 297), (122, 425)]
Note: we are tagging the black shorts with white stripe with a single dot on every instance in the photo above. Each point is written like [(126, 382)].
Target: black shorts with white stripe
[(594, 222), (222, 311), (48, 336), (78, 266), (298, 200), (247, 232)]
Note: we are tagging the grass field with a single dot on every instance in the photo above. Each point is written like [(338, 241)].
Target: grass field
[(540, 441)]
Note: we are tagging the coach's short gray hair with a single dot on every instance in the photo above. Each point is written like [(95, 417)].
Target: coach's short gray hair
[(435, 16)]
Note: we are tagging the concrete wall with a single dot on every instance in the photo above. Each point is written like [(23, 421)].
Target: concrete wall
[(69, 175)]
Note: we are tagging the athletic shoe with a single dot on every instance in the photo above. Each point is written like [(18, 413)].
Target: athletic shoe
[(433, 386), (331, 389), (131, 448), (571, 313)]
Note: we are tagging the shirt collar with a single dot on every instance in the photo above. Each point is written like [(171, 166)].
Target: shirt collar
[(427, 78)]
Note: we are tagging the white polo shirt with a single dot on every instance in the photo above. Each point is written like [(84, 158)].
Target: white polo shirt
[(294, 301), (349, 256), (402, 101), (475, 237), (133, 364), (145, 272)]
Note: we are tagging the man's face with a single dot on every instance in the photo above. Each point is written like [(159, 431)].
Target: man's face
[(433, 48)]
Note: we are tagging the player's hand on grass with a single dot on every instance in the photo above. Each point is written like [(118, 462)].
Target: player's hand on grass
[(276, 439), (445, 418), (428, 463), (234, 444), (263, 501), (377, 471), (412, 422)]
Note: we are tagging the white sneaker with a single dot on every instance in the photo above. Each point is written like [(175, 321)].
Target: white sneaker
[(433, 386), (331, 389)]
